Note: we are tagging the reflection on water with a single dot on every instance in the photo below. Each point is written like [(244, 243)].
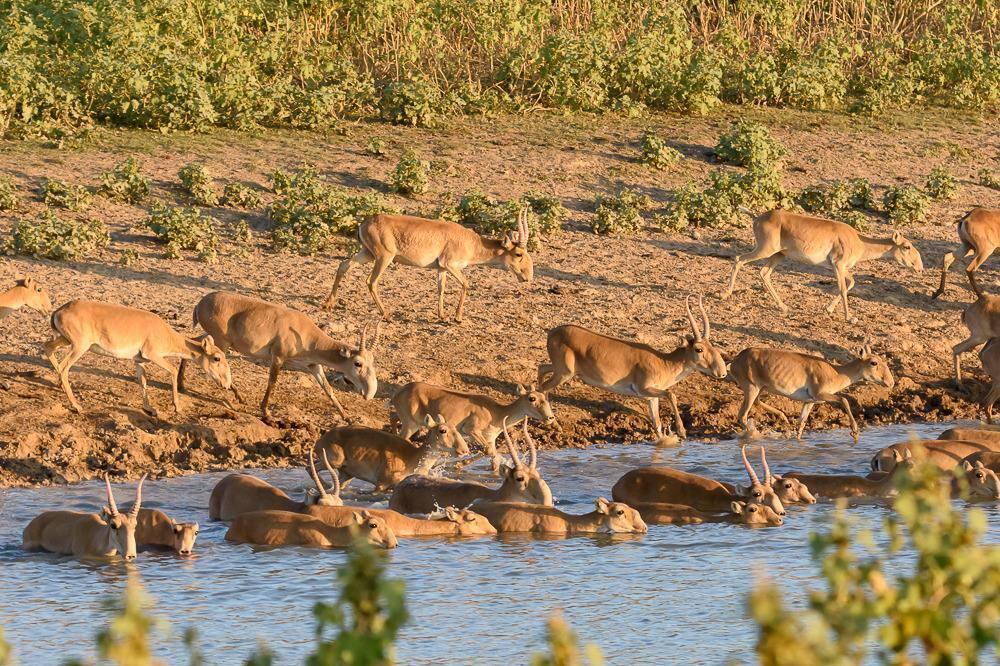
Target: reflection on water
[(642, 598)]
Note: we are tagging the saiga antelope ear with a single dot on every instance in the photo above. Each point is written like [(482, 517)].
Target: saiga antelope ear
[(602, 505), (897, 238), (346, 352), (429, 421), (737, 507), (358, 518), (507, 242), (207, 343), (521, 390), (178, 529), (967, 466)]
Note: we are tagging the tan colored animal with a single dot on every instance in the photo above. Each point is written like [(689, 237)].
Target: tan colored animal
[(781, 234), (606, 518), (521, 483), (832, 486), (237, 494), (384, 459), (657, 513), (26, 293), (979, 233), (127, 333), (987, 436), (630, 368), (284, 528), (788, 490), (982, 318), (665, 485), (286, 340), (444, 246), (989, 356), (944, 454), (86, 535), (157, 529), (988, 459), (477, 416), (445, 522), (804, 378)]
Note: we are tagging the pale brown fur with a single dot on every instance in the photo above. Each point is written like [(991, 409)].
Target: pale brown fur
[(157, 529), (990, 358), (25, 293), (979, 233), (446, 247), (780, 234), (446, 522), (606, 518), (659, 513), (988, 436), (944, 454), (982, 318), (284, 528), (832, 486)]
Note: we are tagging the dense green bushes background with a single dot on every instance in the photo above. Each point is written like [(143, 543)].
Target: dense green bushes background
[(168, 64)]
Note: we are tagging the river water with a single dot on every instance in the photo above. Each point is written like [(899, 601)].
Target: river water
[(675, 595)]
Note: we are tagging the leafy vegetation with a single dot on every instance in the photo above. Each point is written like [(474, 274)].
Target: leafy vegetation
[(376, 146), (656, 153), (238, 195), (184, 229), (198, 183), (410, 175), (989, 179), (60, 194), (841, 200), (750, 145), (493, 218), (905, 204), (725, 201), (948, 606), (941, 185), (52, 237), (8, 195), (125, 182), (620, 213)]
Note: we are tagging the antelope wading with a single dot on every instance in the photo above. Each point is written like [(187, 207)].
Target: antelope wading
[(26, 293), (284, 528), (153, 528), (384, 459), (832, 486), (418, 493), (631, 368), (127, 333), (943, 454), (446, 247), (753, 515), (286, 340), (803, 378), (606, 518), (780, 234), (979, 233), (444, 522), (237, 494), (87, 535), (479, 417)]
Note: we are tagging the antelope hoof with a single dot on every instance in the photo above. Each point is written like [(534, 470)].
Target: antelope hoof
[(75, 408), (667, 440), (328, 305)]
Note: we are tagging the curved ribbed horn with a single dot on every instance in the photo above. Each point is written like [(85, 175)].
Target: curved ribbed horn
[(112, 507), (704, 316), (335, 489), (522, 227), (363, 339), (510, 445), (746, 463), (315, 475), (533, 459), (694, 326), (138, 498), (378, 334), (767, 470)]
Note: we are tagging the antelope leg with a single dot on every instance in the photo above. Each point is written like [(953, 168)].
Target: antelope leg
[(681, 432)]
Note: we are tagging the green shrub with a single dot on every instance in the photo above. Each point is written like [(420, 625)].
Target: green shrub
[(183, 229), (60, 194), (410, 175), (376, 146), (8, 195), (198, 183), (416, 102), (656, 153), (238, 195), (125, 182), (548, 213), (620, 213), (750, 145), (494, 218), (840, 200), (51, 237), (941, 185), (905, 204), (129, 258), (986, 178)]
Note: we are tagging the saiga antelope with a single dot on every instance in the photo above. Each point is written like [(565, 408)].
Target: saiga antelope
[(943, 454), (521, 483), (286, 340), (87, 534), (241, 493), (477, 416), (384, 459), (630, 368), (832, 486), (25, 293), (780, 234), (444, 246), (979, 233), (804, 378), (606, 518), (989, 436), (284, 528), (982, 318), (127, 333), (444, 522), (658, 513), (157, 529), (665, 485), (990, 358)]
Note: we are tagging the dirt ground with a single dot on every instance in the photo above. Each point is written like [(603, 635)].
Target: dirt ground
[(632, 287)]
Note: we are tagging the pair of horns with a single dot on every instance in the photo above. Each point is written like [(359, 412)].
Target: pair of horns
[(749, 468), (520, 237), (512, 448), (323, 492), (363, 339), (698, 335), (113, 506)]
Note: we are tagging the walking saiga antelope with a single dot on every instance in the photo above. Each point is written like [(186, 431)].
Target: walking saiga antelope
[(25, 293), (286, 340), (87, 534), (127, 333), (982, 318), (444, 246), (418, 493), (606, 518), (157, 529), (477, 416), (979, 233), (630, 368), (990, 357), (804, 378), (284, 528), (780, 234)]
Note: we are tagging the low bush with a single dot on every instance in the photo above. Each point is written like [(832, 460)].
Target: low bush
[(60, 194), (410, 175), (8, 195), (376, 146), (238, 195), (198, 183), (49, 236), (125, 182), (183, 229), (750, 145), (720, 204), (656, 153), (941, 185), (620, 213), (905, 204), (841, 200), (494, 218), (415, 102), (989, 179), (129, 258)]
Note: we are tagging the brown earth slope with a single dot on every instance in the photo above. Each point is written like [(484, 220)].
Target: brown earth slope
[(629, 286)]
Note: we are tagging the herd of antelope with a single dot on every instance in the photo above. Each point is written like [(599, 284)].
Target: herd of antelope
[(433, 426)]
